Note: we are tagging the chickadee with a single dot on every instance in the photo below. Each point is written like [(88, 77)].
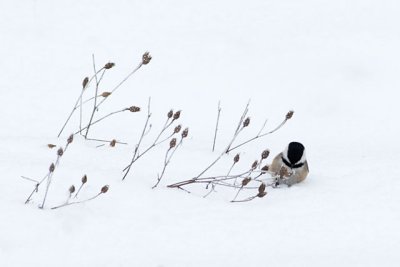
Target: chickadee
[(293, 158)]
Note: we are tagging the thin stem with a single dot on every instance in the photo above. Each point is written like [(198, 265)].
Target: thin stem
[(216, 126), (76, 202), (77, 192), (102, 118)]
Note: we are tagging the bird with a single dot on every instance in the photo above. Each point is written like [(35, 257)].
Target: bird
[(290, 166)]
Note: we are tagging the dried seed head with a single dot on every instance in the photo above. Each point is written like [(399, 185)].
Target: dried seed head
[(104, 189), (265, 168), (60, 152), (85, 82), (289, 115), (177, 129), (51, 146), (254, 165), (70, 139), (172, 143), (263, 194), (246, 122), (52, 167), (261, 188), (177, 115), (245, 181), (106, 94), (265, 154), (185, 133), (170, 113), (133, 109), (146, 58), (72, 189), (109, 65), (283, 172), (84, 179), (113, 142), (236, 158)]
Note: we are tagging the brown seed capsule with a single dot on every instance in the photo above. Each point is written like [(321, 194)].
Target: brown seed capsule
[(85, 82), (72, 189), (185, 133), (52, 167), (265, 154), (106, 94), (261, 188), (172, 143), (51, 146), (236, 158), (289, 115), (254, 165), (177, 129), (283, 172), (263, 194), (170, 113), (265, 168), (84, 179), (177, 115), (60, 152), (70, 139), (146, 58), (246, 122), (133, 109), (104, 189), (113, 142), (109, 65), (245, 181)]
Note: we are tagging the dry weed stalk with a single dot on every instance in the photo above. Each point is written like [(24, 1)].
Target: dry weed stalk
[(48, 177), (173, 146), (103, 190), (216, 126), (171, 118)]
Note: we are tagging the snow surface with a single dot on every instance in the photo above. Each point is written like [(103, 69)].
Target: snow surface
[(336, 63)]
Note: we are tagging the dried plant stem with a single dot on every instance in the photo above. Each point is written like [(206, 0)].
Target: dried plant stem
[(98, 80), (122, 82), (216, 126), (78, 101), (140, 140), (167, 161), (106, 141), (259, 135), (76, 202), (79, 189), (100, 119)]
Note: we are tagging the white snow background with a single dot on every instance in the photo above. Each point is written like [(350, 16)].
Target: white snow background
[(335, 63)]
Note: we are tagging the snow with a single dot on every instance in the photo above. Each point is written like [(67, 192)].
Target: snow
[(335, 63)]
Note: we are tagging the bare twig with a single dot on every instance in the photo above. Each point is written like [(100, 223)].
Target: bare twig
[(216, 126), (103, 190)]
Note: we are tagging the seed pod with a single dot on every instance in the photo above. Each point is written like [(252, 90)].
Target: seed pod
[(236, 158), (283, 172), (72, 189), (289, 115), (104, 189), (109, 65), (113, 142), (170, 113), (172, 143), (185, 133), (84, 179), (133, 109), (254, 165), (265, 154), (51, 146), (177, 129), (146, 58), (265, 168), (246, 122), (245, 181), (261, 188), (52, 167), (263, 194), (60, 152), (177, 115), (85, 82), (70, 139), (106, 94)]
